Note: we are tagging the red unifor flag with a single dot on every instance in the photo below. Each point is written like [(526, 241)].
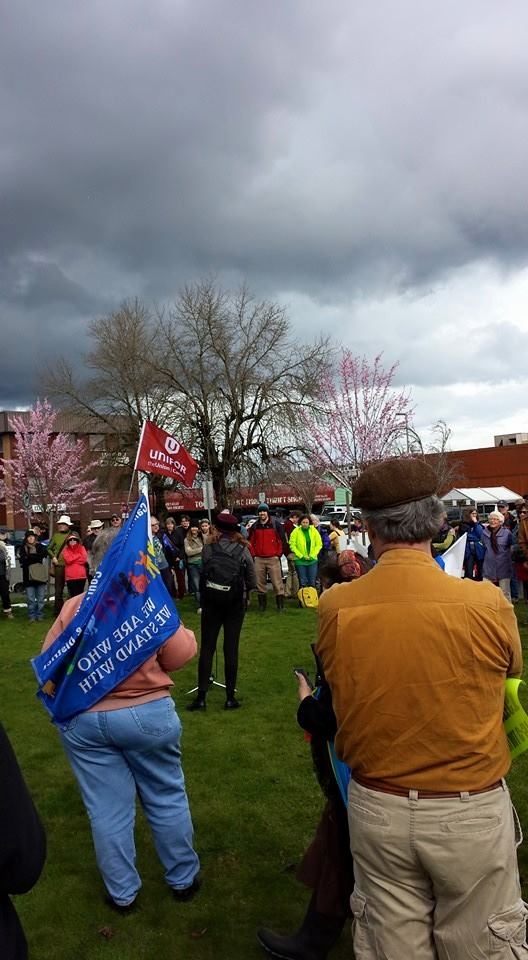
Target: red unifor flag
[(158, 452)]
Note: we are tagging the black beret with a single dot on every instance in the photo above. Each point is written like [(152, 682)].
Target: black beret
[(389, 483), (226, 522)]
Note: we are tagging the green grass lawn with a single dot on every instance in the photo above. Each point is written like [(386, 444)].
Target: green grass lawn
[(253, 797)]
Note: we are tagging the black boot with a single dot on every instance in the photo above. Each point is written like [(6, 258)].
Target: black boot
[(317, 935), (261, 602), (198, 703), (279, 600)]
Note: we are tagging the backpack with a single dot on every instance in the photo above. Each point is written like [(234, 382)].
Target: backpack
[(222, 576), (308, 597)]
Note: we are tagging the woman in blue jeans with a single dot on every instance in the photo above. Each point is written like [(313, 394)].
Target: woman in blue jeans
[(32, 552), (193, 546), (129, 744), (306, 544)]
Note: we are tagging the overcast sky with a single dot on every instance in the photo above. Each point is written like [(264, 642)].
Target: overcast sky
[(365, 164)]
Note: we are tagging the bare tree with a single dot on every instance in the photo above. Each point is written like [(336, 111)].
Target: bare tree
[(222, 371), (240, 376), (448, 469), (297, 473), (119, 391)]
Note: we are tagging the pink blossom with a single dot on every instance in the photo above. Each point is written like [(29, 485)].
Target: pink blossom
[(363, 418), (50, 466)]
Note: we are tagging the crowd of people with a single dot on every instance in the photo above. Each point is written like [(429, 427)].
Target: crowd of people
[(496, 549), (417, 841)]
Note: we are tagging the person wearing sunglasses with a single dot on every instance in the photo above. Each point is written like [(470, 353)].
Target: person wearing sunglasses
[(75, 564)]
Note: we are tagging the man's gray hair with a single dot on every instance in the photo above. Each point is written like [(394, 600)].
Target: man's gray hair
[(407, 522)]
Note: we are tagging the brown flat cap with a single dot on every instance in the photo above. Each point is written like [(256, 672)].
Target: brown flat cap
[(389, 483)]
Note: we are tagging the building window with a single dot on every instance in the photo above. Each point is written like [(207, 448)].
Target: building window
[(97, 441)]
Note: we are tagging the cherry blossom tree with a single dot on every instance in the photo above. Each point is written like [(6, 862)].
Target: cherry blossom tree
[(48, 466), (364, 417)]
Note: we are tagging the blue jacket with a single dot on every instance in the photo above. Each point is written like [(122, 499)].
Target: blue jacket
[(475, 546)]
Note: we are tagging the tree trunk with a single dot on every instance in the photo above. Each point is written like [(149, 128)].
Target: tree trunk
[(220, 487)]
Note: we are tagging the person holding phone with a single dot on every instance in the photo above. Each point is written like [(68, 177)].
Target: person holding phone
[(327, 867)]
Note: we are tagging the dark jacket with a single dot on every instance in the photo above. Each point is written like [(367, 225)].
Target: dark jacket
[(250, 577), (22, 849), (474, 544), (443, 540), (26, 557), (173, 545)]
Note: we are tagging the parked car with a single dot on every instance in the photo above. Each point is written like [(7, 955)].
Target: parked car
[(333, 513)]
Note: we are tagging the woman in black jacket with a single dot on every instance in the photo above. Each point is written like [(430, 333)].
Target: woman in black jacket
[(227, 576), (32, 552)]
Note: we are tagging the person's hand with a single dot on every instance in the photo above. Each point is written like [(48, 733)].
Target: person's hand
[(304, 689)]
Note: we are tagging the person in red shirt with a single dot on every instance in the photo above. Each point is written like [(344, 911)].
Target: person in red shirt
[(267, 543), (75, 564)]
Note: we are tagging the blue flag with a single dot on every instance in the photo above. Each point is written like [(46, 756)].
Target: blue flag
[(125, 616)]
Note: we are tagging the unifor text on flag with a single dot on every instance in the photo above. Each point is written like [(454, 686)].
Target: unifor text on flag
[(125, 616), (159, 452)]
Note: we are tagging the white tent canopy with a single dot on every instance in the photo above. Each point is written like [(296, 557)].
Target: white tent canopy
[(477, 495)]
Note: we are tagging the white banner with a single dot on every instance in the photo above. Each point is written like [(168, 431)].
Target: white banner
[(454, 557)]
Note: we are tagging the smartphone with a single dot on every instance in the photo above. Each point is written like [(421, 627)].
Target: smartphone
[(301, 672)]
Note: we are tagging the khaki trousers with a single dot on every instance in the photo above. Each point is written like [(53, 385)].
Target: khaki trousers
[(435, 879), (292, 580), (271, 565)]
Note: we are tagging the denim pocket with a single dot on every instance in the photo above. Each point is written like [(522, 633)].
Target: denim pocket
[(69, 725), (155, 717)]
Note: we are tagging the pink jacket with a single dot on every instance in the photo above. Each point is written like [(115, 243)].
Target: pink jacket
[(151, 681)]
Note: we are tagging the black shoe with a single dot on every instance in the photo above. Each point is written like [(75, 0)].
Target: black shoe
[(313, 941), (182, 896), (286, 948), (123, 908), (232, 704), (279, 600), (261, 602), (197, 704)]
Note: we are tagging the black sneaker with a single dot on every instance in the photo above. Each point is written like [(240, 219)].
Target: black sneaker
[(182, 896), (123, 908)]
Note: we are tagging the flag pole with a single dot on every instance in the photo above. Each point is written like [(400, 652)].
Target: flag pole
[(134, 471), (130, 491)]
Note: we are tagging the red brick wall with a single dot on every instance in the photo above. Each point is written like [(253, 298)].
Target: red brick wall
[(492, 467)]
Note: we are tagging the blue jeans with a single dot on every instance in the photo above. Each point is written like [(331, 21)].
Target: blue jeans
[(307, 573), (115, 754), (35, 600), (193, 575)]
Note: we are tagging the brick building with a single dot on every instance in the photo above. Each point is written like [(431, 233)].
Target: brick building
[(501, 466), (101, 441)]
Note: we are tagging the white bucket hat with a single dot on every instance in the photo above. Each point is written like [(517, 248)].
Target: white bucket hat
[(65, 519)]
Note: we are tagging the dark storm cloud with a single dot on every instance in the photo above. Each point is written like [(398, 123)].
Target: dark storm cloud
[(338, 151)]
